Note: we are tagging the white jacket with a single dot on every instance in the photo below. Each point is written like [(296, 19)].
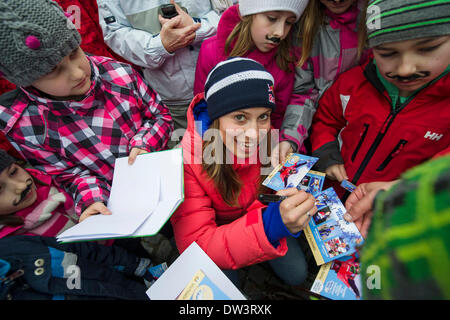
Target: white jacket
[(131, 28)]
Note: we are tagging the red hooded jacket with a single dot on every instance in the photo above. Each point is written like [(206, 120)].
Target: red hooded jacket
[(356, 125)]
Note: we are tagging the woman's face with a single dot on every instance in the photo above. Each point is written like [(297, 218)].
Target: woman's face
[(337, 6), (244, 129)]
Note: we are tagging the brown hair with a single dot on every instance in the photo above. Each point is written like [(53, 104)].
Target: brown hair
[(311, 20), (11, 220), (241, 40), (225, 178), (362, 30)]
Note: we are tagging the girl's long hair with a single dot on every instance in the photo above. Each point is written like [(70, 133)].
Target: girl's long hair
[(362, 30), (311, 20), (225, 178), (241, 40)]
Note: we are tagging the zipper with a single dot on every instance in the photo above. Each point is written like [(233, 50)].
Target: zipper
[(363, 136), (392, 154)]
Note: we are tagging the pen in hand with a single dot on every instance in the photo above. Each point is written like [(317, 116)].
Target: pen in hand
[(266, 198)]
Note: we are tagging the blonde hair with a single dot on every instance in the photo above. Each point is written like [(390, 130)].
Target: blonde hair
[(225, 178), (241, 40), (311, 20)]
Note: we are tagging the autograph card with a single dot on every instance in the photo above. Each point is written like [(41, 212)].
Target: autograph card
[(312, 182), (329, 235), (347, 185), (291, 173)]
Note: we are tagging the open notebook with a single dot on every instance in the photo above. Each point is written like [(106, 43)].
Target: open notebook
[(143, 197)]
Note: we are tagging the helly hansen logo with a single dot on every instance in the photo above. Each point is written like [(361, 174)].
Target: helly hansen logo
[(433, 136)]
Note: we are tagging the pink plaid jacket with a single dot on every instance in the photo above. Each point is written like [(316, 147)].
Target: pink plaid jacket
[(77, 142)]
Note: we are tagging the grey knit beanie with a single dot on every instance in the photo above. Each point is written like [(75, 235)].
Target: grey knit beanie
[(35, 35), (5, 160), (401, 20), (248, 7)]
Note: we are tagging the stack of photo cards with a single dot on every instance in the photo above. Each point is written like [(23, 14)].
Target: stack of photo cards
[(329, 235), (290, 173)]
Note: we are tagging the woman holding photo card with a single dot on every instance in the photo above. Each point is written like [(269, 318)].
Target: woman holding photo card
[(221, 212)]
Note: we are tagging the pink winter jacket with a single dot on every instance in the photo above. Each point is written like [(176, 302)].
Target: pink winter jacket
[(213, 52), (233, 237)]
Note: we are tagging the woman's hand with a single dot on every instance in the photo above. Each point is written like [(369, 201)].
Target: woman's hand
[(297, 209)]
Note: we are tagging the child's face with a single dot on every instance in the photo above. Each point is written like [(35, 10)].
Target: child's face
[(411, 64), (336, 6), (17, 190), (269, 28), (243, 130), (70, 79)]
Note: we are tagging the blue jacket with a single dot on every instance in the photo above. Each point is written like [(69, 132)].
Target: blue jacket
[(84, 270)]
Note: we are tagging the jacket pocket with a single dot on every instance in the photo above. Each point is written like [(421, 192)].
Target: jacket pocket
[(400, 145), (361, 140)]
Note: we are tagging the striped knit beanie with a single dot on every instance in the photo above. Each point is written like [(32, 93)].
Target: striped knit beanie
[(5, 160), (248, 7), (401, 20), (238, 83), (35, 35)]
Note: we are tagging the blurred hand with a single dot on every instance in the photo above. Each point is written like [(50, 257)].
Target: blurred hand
[(359, 204), (294, 210), (134, 153), (285, 148), (177, 32), (336, 172), (93, 209)]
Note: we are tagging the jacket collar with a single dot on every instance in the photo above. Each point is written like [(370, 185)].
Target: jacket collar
[(436, 87), (67, 107)]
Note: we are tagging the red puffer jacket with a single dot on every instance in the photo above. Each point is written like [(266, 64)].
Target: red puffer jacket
[(233, 237), (376, 142)]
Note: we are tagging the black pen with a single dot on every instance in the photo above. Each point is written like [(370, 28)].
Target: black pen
[(266, 198)]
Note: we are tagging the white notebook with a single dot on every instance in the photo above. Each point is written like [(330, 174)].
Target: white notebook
[(143, 197)]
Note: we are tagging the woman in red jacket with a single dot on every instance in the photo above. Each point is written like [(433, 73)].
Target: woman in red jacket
[(223, 177)]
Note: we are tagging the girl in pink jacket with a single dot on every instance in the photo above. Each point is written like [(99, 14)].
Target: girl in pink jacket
[(262, 32), (227, 125)]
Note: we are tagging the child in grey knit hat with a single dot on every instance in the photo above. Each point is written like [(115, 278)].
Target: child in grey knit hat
[(72, 114), (383, 118)]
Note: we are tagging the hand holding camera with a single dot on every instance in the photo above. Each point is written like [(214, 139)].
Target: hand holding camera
[(177, 27)]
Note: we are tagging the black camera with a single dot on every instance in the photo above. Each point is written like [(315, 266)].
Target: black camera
[(168, 11)]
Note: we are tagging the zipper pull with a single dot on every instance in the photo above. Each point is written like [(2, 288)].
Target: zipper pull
[(385, 124)]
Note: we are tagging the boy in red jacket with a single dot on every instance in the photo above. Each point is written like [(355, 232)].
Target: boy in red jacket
[(378, 120)]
